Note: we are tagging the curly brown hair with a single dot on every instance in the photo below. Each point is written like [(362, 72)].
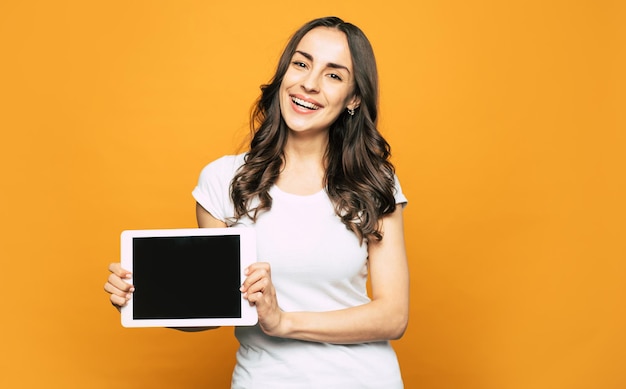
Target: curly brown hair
[(359, 177)]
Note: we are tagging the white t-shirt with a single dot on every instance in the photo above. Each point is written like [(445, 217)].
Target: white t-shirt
[(317, 265)]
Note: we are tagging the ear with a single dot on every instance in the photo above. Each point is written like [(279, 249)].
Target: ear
[(354, 102)]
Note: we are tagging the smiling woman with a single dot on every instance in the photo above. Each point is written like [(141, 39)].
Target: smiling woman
[(319, 190), (318, 86)]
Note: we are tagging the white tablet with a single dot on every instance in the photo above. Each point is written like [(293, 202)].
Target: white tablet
[(188, 277)]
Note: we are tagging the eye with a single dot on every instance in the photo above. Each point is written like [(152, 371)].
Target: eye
[(299, 64), (335, 76)]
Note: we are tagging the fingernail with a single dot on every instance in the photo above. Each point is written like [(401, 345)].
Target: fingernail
[(132, 290)]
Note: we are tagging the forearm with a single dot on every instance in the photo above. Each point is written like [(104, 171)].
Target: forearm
[(374, 321), (384, 318)]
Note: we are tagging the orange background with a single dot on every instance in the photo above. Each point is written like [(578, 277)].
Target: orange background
[(508, 130)]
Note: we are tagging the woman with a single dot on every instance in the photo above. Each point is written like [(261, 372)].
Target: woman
[(319, 190)]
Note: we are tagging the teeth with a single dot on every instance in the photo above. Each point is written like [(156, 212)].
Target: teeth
[(304, 104)]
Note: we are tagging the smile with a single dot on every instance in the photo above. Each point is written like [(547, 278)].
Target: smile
[(305, 104)]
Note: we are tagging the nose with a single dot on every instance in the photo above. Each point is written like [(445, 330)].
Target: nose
[(310, 82)]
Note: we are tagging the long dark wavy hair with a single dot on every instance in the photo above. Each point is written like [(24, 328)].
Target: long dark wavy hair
[(359, 177)]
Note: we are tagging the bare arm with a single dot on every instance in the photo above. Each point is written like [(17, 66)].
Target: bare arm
[(384, 318), (206, 220)]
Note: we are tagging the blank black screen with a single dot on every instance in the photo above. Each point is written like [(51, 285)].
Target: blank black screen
[(190, 277)]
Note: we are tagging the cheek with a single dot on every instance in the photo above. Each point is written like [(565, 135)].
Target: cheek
[(347, 99), (290, 78), (341, 98), (282, 92), (286, 87)]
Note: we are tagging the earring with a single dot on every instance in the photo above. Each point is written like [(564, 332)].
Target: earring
[(351, 111)]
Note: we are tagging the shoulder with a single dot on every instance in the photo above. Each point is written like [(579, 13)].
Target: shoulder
[(398, 194), (223, 168), (227, 162), (213, 189)]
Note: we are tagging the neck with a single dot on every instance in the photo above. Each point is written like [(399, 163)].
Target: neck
[(306, 147), (304, 167)]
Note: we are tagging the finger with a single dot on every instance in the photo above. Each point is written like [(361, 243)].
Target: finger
[(261, 285), (254, 273), (257, 266), (120, 284), (252, 279), (111, 289), (254, 298), (118, 301), (116, 268)]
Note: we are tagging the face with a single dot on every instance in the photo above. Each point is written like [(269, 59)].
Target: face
[(319, 83)]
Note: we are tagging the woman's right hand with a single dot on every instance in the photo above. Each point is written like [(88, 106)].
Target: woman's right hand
[(120, 290)]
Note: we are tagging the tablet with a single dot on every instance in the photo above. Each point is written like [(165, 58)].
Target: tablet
[(188, 277)]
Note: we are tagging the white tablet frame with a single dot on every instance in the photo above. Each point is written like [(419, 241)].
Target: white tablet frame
[(247, 257)]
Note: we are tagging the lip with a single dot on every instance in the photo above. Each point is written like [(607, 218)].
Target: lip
[(301, 109)]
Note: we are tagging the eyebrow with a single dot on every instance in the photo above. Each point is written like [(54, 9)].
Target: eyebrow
[(330, 64)]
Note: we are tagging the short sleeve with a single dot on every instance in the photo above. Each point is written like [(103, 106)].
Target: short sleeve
[(213, 189), (400, 198)]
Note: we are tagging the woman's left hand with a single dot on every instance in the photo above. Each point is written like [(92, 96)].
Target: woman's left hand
[(259, 290)]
